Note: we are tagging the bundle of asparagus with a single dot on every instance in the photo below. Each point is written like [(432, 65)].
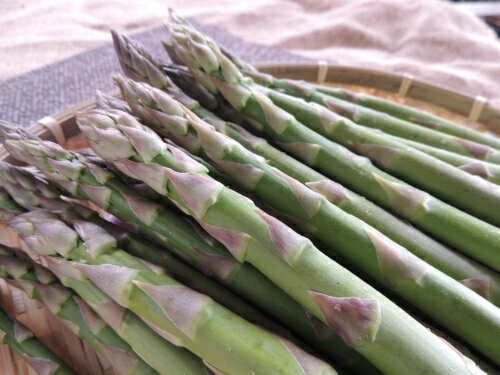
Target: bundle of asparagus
[(152, 309)]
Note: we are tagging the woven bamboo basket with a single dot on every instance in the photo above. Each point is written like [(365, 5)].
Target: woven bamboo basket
[(474, 112)]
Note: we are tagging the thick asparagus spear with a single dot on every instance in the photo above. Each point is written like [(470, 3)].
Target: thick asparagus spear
[(187, 318), (88, 181), (464, 232), (356, 241), (34, 352), (324, 288), (147, 101), (38, 283), (33, 192), (411, 114), (379, 120)]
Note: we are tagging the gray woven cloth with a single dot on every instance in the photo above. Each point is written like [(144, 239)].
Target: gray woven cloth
[(29, 97)]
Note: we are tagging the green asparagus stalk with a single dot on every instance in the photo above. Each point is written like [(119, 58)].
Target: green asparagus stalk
[(488, 171), (182, 77), (459, 267), (353, 239), (149, 343), (388, 124), (468, 156), (472, 274), (411, 114), (470, 193), (88, 181), (364, 318), (72, 311), (188, 318), (27, 186), (29, 348), (460, 230)]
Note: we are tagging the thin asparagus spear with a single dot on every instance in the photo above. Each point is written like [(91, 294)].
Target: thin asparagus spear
[(147, 100), (461, 310), (411, 114), (72, 311), (464, 232), (34, 352), (364, 318), (472, 194), (488, 171), (88, 181), (189, 319), (391, 125)]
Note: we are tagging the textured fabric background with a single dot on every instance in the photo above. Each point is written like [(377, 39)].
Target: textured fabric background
[(428, 38)]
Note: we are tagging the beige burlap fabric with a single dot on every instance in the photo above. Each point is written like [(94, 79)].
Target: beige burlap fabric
[(428, 38)]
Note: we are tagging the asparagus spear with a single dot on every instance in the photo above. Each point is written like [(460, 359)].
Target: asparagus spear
[(189, 319), (483, 199), (34, 352), (143, 100), (411, 114), (88, 181), (364, 318), (147, 100), (474, 195), (105, 101), (72, 311), (379, 120), (27, 188), (184, 79), (488, 171), (464, 232), (8, 207), (352, 238)]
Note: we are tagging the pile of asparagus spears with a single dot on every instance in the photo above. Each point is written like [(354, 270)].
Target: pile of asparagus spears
[(225, 221)]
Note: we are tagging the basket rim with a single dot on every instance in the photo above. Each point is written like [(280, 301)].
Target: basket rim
[(321, 69)]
